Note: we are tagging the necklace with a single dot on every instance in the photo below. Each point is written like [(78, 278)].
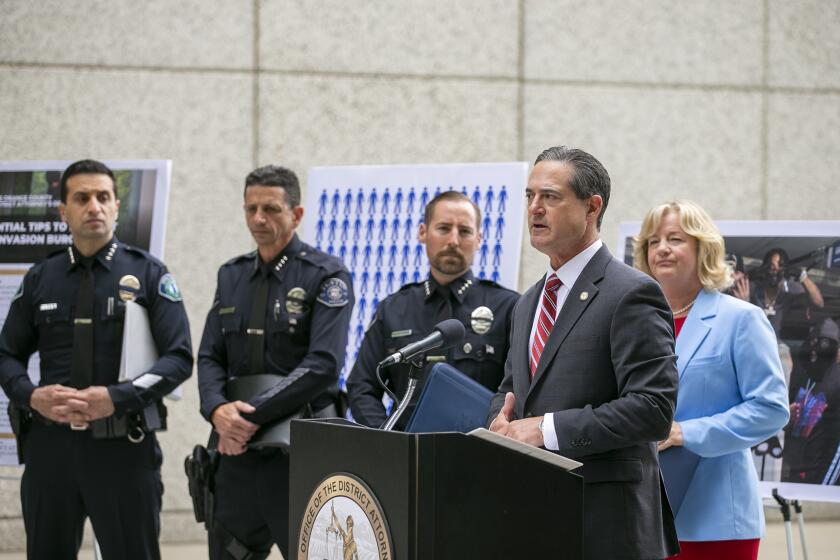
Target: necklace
[(682, 310)]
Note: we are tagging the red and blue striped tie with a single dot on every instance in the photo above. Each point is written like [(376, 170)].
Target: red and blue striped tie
[(547, 313)]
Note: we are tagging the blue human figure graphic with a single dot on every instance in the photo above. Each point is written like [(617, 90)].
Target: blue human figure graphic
[(418, 255), (502, 199), (345, 228), (372, 198), (331, 234), (409, 228), (497, 254), (488, 200), (366, 260), (330, 249), (482, 274), (362, 307), (322, 203), (424, 198), (383, 228), (336, 199), (380, 254), (389, 282), (500, 226), (403, 277), (377, 280), (353, 277), (369, 230), (348, 201), (342, 251), (416, 276), (464, 190), (437, 191), (411, 198), (360, 200), (360, 329), (485, 224), (357, 227), (395, 229), (476, 196), (374, 304), (319, 230), (354, 254), (482, 255), (495, 276), (364, 285), (398, 199), (392, 256), (405, 252), (386, 200)]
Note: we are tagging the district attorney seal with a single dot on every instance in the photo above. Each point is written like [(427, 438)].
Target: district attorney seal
[(343, 519)]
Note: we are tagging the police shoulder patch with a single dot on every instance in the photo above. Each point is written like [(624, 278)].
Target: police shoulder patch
[(334, 293), (168, 288)]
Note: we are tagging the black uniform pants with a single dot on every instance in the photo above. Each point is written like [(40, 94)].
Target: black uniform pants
[(252, 502), (70, 476)]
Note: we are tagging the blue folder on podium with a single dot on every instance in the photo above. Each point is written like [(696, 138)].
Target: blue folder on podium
[(450, 402), (677, 465)]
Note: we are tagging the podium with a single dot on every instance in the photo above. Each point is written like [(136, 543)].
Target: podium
[(427, 496)]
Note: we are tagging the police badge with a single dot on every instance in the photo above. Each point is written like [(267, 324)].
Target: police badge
[(128, 287), (481, 320), (296, 301)]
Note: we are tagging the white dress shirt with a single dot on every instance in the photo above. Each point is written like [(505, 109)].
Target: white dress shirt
[(568, 275)]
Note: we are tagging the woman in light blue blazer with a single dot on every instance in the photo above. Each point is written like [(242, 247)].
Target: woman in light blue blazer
[(732, 392)]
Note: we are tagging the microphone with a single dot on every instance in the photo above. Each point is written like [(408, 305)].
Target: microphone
[(446, 333)]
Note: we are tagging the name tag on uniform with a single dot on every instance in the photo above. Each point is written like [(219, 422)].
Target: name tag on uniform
[(226, 310), (48, 307), (399, 334), (435, 358)]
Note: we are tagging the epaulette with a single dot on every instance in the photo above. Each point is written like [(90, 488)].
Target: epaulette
[(330, 263), (239, 258), (143, 253), (487, 282), (410, 285)]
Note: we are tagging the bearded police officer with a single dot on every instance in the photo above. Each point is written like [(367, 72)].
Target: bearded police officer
[(283, 309), (88, 447), (450, 231)]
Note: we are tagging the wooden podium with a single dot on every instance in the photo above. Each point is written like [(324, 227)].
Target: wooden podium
[(426, 496)]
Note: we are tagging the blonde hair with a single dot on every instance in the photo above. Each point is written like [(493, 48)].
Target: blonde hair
[(713, 271)]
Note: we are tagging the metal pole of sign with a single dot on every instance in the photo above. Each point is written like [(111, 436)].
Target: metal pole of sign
[(800, 520), (784, 506)]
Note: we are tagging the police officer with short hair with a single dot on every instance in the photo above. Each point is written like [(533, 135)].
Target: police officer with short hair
[(88, 446), (283, 309), (450, 231)]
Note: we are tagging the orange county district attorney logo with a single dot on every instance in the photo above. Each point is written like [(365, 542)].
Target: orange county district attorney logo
[(344, 521)]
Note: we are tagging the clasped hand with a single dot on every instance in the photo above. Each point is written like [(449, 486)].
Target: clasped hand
[(526, 430), (67, 405), (234, 431)]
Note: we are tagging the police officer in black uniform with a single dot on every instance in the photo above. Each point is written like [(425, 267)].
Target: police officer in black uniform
[(450, 231), (89, 448), (283, 309)]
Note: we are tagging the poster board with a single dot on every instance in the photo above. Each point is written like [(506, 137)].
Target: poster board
[(369, 216)]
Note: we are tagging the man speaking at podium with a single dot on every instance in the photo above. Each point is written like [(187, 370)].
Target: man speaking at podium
[(591, 371)]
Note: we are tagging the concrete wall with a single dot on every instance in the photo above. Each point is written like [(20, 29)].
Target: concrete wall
[(734, 104)]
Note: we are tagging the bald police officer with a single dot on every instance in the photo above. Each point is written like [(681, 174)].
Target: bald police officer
[(89, 450), (283, 309), (450, 231)]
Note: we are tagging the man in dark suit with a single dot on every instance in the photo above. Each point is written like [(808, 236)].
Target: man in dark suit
[(591, 371)]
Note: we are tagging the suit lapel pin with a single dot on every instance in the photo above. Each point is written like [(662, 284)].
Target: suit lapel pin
[(584, 296)]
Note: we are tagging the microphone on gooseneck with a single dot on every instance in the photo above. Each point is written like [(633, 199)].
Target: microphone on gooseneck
[(446, 333)]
